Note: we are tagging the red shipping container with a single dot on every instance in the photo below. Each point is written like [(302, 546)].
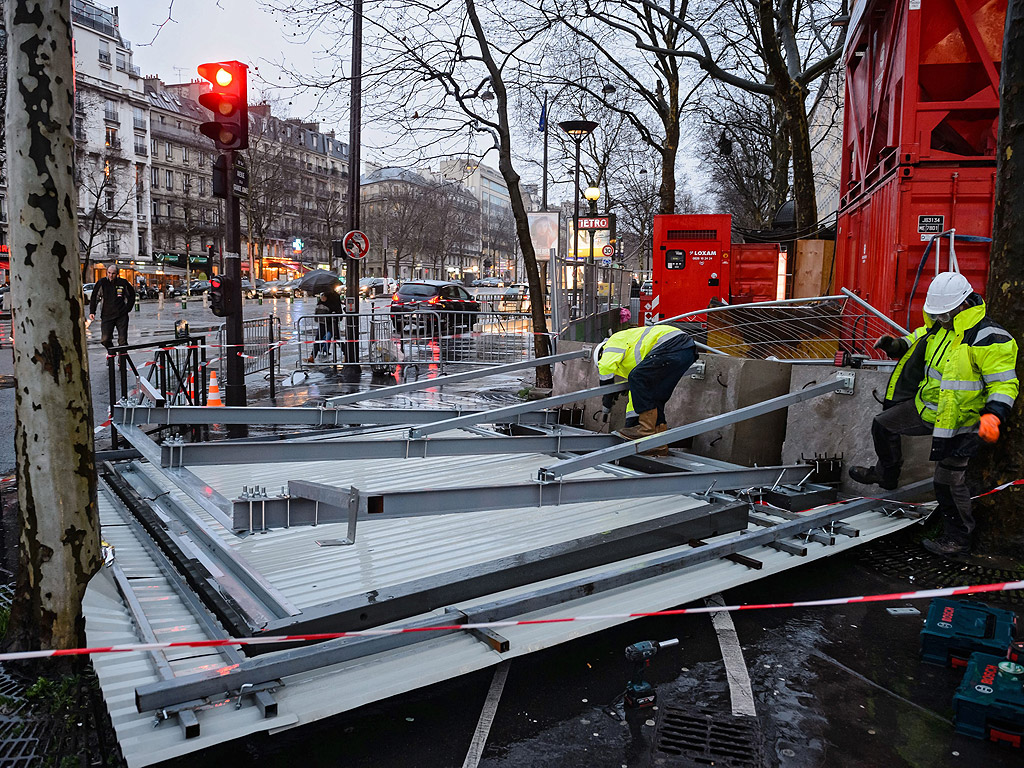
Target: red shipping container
[(922, 85), (882, 236)]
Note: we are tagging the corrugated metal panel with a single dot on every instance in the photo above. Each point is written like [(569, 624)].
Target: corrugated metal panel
[(312, 696)]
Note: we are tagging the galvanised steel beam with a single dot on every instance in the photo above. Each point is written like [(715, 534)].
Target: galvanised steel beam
[(283, 664), (187, 415), (413, 386), (175, 454), (309, 503), (502, 415), (411, 598), (568, 466)]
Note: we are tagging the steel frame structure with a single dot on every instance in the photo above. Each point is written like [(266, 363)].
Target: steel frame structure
[(271, 667)]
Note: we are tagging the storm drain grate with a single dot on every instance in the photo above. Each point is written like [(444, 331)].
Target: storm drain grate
[(706, 737)]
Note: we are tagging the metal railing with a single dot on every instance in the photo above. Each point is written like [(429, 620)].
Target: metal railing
[(261, 351), (175, 376), (422, 337)]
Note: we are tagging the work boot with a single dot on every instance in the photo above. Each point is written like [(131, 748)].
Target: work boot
[(661, 451), (646, 427), (874, 476), (946, 547)]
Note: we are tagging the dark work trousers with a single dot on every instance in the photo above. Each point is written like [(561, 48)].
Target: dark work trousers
[(107, 326), (651, 383), (950, 480)]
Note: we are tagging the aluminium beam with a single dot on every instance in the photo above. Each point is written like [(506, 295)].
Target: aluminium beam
[(575, 464), (192, 415), (413, 597), (413, 386), (174, 454), (502, 415), (309, 503), (283, 664)]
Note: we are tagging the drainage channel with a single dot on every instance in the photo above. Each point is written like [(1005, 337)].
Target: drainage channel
[(702, 736)]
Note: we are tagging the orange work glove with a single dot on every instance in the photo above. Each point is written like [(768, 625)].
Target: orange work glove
[(988, 429)]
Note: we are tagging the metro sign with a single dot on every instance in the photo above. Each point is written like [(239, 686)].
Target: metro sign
[(594, 222)]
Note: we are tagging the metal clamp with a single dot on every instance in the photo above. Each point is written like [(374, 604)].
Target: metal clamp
[(698, 369), (848, 378)]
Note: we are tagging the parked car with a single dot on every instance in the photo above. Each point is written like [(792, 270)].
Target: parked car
[(198, 287), (489, 282), (646, 288), (515, 296), (458, 310), (87, 290), (375, 286)]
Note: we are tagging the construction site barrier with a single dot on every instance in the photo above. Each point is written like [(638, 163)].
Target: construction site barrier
[(260, 348), (421, 337), (176, 374)]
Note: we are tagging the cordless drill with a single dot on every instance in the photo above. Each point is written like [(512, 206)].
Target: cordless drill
[(639, 692)]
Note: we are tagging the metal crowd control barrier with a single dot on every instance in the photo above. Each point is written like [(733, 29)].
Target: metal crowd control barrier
[(260, 352), (175, 376), (421, 337)]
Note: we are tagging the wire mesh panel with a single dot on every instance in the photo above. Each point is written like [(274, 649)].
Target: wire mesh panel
[(800, 329), (431, 337)]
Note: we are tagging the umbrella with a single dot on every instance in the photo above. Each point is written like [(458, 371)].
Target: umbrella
[(318, 281)]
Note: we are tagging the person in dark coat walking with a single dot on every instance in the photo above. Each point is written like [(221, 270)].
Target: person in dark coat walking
[(118, 298)]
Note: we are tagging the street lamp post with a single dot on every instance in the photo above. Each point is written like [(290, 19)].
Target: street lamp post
[(578, 130), (589, 284)]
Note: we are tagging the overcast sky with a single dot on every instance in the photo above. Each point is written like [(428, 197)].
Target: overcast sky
[(212, 30)]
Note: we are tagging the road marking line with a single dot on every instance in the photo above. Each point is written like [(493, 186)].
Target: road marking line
[(483, 725), (732, 654)]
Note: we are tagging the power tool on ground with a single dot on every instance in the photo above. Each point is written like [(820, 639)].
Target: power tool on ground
[(640, 693)]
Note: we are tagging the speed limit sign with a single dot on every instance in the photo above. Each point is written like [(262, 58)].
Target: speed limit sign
[(608, 250)]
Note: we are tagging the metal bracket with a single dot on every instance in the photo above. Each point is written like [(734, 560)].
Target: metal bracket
[(698, 369), (848, 378)]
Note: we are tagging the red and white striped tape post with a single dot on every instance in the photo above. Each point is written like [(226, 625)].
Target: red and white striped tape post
[(921, 594)]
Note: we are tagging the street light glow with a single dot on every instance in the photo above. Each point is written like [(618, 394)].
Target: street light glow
[(592, 194)]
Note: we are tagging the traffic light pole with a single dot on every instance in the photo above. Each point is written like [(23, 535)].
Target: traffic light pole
[(354, 141), (232, 267)]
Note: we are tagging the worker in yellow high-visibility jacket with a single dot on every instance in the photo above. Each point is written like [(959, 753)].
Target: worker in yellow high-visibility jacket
[(956, 380), (653, 359)]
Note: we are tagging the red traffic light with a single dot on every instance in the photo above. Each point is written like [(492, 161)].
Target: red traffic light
[(228, 100)]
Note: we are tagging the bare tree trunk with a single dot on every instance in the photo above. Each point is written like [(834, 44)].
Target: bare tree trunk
[(541, 341), (667, 191), (60, 547), (1000, 526)]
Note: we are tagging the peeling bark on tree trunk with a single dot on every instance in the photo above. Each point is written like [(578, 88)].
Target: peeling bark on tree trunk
[(60, 547), (1000, 525)]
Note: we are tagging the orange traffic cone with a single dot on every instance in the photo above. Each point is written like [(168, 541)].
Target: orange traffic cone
[(213, 397)]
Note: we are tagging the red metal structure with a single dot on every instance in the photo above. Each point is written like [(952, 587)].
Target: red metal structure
[(919, 137), (696, 263)]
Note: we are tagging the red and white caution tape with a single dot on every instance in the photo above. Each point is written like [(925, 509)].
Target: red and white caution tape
[(921, 594), (998, 488)]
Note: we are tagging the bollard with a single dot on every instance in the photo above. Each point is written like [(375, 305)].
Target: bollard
[(184, 301), (259, 298), (160, 300), (138, 305), (206, 299)]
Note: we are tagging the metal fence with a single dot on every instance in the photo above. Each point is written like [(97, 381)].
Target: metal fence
[(421, 337), (176, 374), (261, 351)]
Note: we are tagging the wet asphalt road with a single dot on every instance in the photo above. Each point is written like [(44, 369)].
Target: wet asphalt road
[(832, 686)]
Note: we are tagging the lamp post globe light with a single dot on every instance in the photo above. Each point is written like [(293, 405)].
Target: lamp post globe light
[(578, 130)]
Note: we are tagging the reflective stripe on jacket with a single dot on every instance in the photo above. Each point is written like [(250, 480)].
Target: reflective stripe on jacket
[(623, 351), (958, 375)]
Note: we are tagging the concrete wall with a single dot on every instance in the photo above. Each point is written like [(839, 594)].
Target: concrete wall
[(841, 424), (729, 383)]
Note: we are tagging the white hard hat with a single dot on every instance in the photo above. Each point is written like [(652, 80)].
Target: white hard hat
[(947, 292)]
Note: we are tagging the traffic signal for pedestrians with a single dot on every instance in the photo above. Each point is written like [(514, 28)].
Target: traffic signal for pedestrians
[(228, 100), (220, 302)]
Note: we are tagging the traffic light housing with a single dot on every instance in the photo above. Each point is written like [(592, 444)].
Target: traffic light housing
[(228, 100), (220, 299)]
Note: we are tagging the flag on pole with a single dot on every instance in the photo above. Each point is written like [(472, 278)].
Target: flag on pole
[(543, 124)]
